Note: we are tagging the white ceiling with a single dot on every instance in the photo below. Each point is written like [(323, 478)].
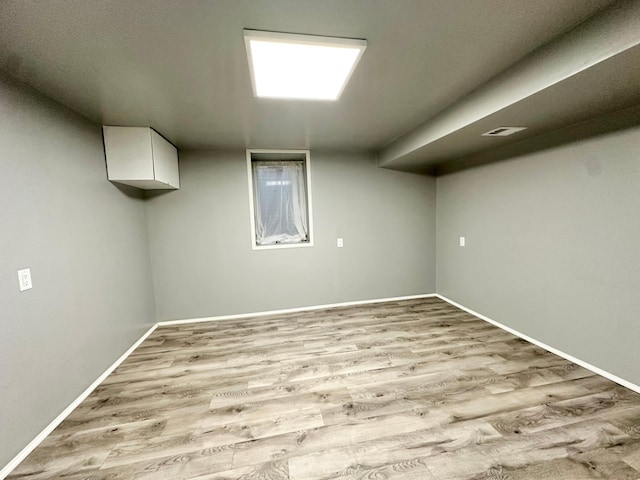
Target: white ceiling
[(181, 68)]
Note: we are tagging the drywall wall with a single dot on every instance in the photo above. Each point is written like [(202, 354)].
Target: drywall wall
[(203, 264), (552, 247), (86, 245)]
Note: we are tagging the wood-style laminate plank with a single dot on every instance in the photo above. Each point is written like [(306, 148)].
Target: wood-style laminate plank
[(416, 389)]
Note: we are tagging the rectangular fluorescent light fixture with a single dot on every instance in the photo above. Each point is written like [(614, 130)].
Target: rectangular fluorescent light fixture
[(285, 65)]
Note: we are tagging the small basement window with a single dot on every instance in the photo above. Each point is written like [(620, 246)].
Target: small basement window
[(280, 198)]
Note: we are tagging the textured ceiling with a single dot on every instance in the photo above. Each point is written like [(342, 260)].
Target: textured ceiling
[(181, 67)]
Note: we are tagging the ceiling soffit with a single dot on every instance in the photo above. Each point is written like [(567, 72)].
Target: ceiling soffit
[(603, 36)]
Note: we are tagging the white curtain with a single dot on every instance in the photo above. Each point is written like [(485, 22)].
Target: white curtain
[(280, 202)]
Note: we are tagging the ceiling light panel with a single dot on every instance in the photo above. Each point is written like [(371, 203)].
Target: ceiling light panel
[(308, 67)]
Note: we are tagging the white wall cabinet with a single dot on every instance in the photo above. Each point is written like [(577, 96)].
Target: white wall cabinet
[(140, 157)]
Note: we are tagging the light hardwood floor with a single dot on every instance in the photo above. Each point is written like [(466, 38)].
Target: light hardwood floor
[(402, 390)]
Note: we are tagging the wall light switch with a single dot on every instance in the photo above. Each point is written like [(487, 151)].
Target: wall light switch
[(340, 243), (462, 241), (24, 279)]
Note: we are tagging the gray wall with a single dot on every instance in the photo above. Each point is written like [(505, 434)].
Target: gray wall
[(553, 247), (203, 264), (86, 244)]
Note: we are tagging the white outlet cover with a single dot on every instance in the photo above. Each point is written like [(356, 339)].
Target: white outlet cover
[(340, 243), (24, 279), (462, 241)]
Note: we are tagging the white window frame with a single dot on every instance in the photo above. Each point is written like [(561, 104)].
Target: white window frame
[(307, 170)]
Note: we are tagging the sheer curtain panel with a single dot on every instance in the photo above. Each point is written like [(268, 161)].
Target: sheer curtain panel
[(280, 202)]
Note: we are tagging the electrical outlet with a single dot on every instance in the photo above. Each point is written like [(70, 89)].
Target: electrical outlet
[(340, 243), (462, 241), (24, 279)]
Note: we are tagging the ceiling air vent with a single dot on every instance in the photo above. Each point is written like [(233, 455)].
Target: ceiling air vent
[(503, 131)]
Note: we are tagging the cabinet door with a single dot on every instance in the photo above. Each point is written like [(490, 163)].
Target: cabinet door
[(165, 160), (128, 151)]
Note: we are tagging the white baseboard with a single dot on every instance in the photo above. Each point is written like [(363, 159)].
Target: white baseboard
[(293, 310), (560, 353), (15, 461)]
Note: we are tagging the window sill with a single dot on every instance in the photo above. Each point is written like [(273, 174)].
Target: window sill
[(282, 245)]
